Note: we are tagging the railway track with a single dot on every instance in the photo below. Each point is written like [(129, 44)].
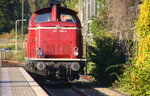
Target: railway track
[(70, 91), (79, 91), (74, 89), (64, 90)]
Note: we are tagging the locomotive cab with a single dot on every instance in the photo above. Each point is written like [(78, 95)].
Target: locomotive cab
[(54, 43)]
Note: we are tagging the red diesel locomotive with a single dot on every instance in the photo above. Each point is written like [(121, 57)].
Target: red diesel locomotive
[(54, 46)]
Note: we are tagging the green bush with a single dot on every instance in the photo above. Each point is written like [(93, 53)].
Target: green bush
[(136, 78), (105, 54)]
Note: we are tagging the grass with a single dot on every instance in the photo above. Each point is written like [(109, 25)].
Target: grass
[(9, 41)]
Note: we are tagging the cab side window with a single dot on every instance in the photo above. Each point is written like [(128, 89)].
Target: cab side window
[(67, 18), (43, 17)]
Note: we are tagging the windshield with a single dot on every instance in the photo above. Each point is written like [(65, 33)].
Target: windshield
[(67, 18), (43, 17)]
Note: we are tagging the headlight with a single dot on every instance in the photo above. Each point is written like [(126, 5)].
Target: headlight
[(40, 53), (76, 49), (76, 53)]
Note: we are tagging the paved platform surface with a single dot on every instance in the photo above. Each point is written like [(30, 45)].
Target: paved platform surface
[(15, 81)]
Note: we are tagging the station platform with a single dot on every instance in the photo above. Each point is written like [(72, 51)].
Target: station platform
[(15, 81)]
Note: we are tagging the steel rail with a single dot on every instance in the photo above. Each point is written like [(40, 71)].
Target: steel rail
[(47, 91), (79, 91)]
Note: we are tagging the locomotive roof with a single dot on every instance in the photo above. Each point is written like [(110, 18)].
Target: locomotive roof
[(46, 9)]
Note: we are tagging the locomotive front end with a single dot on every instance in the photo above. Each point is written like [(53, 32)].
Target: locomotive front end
[(54, 43)]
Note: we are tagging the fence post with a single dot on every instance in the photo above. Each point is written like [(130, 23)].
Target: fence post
[(0, 58)]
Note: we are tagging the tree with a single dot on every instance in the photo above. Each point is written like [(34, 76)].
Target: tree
[(3, 15), (42, 3), (72, 4), (136, 78), (10, 11)]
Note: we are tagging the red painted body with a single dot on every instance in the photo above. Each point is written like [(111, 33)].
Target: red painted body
[(55, 38)]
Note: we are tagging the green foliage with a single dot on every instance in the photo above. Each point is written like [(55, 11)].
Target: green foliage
[(42, 3), (143, 24), (6, 54), (11, 11), (21, 56), (104, 54), (136, 78), (102, 7), (98, 27), (72, 4), (99, 24), (8, 13), (91, 66)]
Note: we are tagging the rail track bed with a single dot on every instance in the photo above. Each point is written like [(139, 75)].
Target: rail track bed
[(62, 89)]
